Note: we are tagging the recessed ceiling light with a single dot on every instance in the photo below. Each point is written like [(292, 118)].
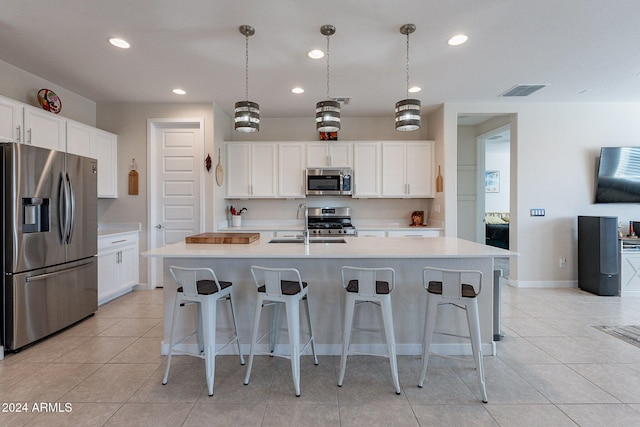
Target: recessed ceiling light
[(121, 43), (297, 90), (414, 89), (315, 54), (457, 40), (179, 91)]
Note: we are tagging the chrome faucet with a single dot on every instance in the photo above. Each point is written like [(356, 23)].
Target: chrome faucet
[(305, 232)]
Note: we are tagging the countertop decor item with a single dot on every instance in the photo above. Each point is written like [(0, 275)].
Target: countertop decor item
[(133, 179), (417, 219), (49, 100), (219, 171), (224, 238)]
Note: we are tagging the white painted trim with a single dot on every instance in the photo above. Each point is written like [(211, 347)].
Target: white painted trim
[(543, 285)]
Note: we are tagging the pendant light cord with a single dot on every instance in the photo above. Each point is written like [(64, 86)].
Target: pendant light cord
[(328, 67), (407, 65), (246, 67)]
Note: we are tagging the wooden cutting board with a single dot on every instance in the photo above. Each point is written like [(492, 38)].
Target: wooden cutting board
[(224, 238)]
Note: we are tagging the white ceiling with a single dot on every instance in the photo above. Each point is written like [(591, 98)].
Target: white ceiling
[(571, 45)]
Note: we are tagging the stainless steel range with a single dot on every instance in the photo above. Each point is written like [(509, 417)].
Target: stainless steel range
[(330, 221)]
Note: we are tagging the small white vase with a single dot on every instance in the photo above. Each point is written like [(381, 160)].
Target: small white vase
[(236, 220)]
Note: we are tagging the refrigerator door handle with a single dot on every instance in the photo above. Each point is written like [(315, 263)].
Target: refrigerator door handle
[(72, 210), (56, 273), (62, 211)]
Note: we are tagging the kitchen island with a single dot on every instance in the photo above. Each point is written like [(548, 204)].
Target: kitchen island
[(319, 265)]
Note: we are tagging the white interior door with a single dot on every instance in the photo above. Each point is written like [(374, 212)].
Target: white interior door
[(176, 150)]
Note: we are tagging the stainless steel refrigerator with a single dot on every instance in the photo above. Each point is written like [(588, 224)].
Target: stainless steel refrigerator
[(49, 242)]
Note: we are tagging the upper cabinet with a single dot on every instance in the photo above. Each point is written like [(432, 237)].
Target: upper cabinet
[(251, 170), (367, 169), (30, 125), (292, 161), (330, 154), (44, 129), (11, 120), (407, 169)]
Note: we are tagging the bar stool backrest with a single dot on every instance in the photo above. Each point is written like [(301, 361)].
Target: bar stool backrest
[(367, 278), (452, 280), (272, 278), (187, 278)]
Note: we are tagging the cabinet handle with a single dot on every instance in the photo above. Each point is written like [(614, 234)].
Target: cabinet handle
[(118, 241), (408, 188), (18, 133), (29, 135)]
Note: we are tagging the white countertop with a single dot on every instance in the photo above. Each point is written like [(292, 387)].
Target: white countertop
[(355, 248)]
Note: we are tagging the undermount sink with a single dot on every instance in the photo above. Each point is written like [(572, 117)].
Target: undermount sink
[(311, 240)]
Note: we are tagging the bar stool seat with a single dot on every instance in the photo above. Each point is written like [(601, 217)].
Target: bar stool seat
[(363, 285), (456, 288), (277, 287), (200, 286)]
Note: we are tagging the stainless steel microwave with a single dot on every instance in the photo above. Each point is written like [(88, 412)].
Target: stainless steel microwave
[(329, 182)]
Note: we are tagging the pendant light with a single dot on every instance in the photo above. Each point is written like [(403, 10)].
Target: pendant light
[(328, 112), (408, 110), (246, 113)]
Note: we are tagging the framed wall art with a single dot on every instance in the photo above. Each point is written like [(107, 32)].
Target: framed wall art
[(492, 181)]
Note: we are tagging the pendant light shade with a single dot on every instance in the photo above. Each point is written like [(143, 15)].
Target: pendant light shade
[(328, 112), (408, 110), (246, 113)]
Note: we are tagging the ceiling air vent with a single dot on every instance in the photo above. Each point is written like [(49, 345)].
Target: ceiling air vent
[(523, 90), (345, 100)]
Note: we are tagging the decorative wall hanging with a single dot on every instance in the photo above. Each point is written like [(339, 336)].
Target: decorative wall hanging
[(439, 182), (219, 171), (49, 100), (133, 179), (207, 162)]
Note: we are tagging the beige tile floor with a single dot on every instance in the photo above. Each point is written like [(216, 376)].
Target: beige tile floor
[(552, 369)]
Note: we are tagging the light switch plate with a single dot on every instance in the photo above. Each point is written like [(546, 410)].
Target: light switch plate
[(537, 212)]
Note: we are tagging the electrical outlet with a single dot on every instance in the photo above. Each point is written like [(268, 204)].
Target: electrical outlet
[(436, 208), (563, 263)]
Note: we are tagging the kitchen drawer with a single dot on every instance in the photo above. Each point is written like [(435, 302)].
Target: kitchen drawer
[(372, 233), (414, 233), (112, 241)]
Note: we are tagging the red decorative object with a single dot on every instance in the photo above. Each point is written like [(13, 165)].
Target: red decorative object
[(49, 100), (207, 162)]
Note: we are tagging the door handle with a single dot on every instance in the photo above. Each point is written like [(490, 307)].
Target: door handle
[(159, 226)]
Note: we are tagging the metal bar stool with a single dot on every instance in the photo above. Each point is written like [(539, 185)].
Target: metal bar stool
[(372, 285), (277, 286), (456, 288), (201, 286)]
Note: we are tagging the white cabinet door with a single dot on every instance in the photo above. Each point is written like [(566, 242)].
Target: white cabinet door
[(118, 265), (407, 169), (81, 139), (252, 170), (292, 163), (238, 169), (129, 267), (330, 154), (11, 128), (393, 169), (264, 164), (367, 169), (108, 275), (630, 274), (106, 151), (419, 169), (44, 129)]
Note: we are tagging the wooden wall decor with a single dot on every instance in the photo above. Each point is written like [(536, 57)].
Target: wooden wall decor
[(133, 179)]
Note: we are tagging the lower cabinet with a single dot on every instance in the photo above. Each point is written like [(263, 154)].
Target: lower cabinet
[(118, 265), (629, 274)]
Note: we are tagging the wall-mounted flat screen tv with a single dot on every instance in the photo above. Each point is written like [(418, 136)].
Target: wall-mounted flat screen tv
[(618, 179)]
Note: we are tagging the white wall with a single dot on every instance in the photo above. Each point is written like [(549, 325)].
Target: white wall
[(552, 155), (23, 86)]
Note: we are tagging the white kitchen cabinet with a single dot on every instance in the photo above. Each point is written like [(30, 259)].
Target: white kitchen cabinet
[(367, 169), (330, 154), (630, 273), (44, 129), (118, 264), (292, 163), (11, 120), (407, 169), (81, 139), (106, 151), (372, 233), (252, 170)]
